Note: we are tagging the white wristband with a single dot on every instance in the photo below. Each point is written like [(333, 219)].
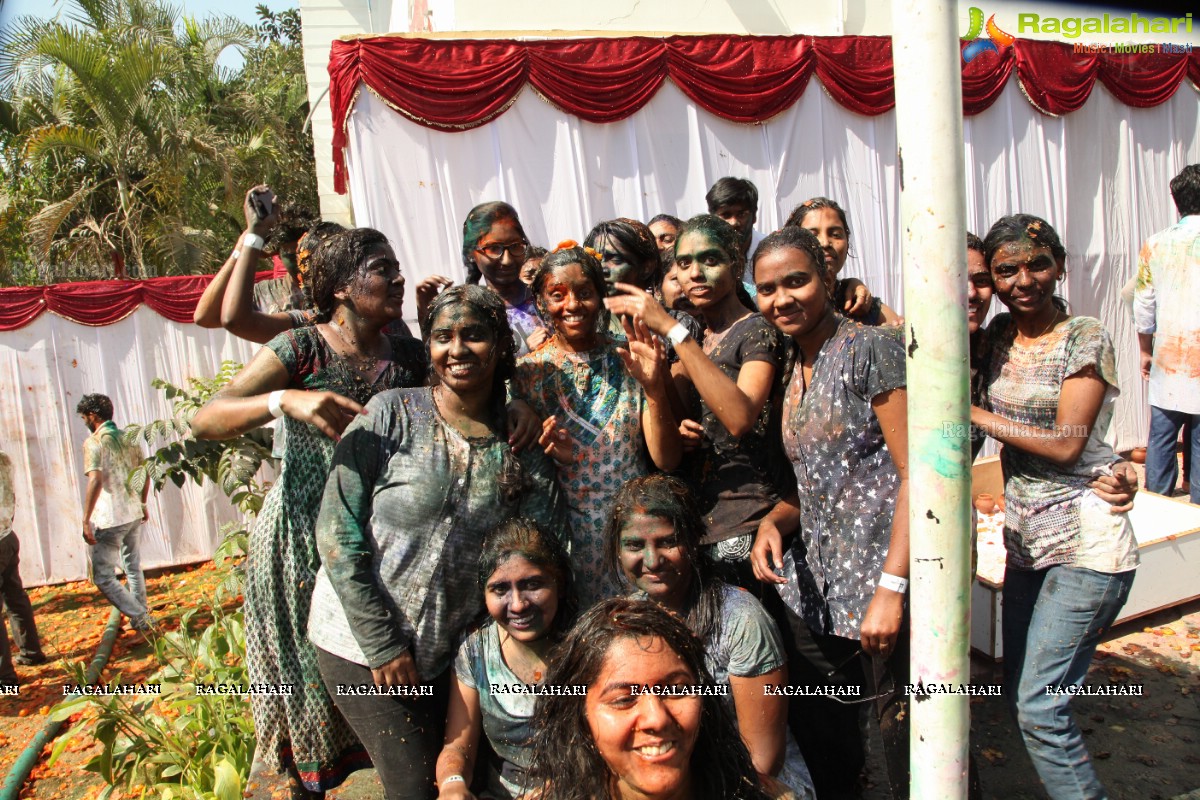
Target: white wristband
[(236, 254), (253, 240), (893, 582), (678, 334), (275, 403), (452, 779)]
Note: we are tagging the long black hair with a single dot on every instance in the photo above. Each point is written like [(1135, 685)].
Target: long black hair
[(522, 537), (634, 238), (567, 765), (336, 261), (667, 498)]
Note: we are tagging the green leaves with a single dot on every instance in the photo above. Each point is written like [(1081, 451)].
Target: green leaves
[(129, 142)]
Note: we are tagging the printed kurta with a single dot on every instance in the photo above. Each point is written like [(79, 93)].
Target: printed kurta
[(600, 404)]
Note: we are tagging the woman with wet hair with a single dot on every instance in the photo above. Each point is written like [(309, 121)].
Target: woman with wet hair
[(628, 253), (525, 577), (651, 725), (827, 221), (494, 248), (653, 542), (735, 371), (844, 576), (666, 230), (607, 398), (1052, 384), (317, 378), (418, 479)]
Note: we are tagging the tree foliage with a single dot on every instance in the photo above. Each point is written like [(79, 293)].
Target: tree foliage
[(126, 146)]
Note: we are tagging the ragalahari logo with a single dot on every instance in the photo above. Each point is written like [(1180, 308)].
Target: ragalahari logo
[(994, 37)]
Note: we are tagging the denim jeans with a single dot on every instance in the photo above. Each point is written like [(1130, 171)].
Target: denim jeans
[(1053, 620), (119, 545), (1161, 466)]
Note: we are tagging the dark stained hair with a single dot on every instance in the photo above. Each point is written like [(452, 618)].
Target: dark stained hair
[(567, 765), (335, 262), (1185, 190), (97, 404), (479, 221), (676, 222), (591, 270), (1021, 228), (974, 243), (304, 250), (635, 239), (522, 537), (796, 238), (724, 236), (490, 308), (669, 499)]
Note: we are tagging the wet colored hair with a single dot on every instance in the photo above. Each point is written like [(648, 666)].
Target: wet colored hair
[(490, 308), (304, 250), (796, 238), (635, 239), (974, 243), (796, 218), (294, 221), (97, 404), (728, 191), (724, 236), (522, 537), (479, 221), (1025, 228), (335, 262), (667, 498), (1185, 190), (591, 270), (676, 222), (567, 765)]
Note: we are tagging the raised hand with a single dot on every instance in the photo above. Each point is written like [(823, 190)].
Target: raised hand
[(645, 357), (635, 302)]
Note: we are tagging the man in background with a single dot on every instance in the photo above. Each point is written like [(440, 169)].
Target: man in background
[(112, 514), (1165, 301), (12, 592), (735, 200)]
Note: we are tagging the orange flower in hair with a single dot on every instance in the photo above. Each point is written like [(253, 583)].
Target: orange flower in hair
[(565, 244)]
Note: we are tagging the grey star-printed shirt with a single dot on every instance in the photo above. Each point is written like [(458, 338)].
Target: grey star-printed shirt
[(846, 479)]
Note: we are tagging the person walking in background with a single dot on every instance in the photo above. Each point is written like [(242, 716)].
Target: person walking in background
[(112, 514), (12, 592), (1164, 310)]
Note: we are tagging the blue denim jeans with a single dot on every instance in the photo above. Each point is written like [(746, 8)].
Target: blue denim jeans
[(119, 545), (1053, 620), (1162, 469)]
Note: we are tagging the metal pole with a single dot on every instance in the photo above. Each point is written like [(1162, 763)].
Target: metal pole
[(928, 72)]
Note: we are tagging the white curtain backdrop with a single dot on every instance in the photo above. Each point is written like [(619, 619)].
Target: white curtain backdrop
[(1100, 176), (45, 368)]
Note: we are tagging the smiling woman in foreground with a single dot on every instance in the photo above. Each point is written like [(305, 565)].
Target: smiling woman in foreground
[(646, 728)]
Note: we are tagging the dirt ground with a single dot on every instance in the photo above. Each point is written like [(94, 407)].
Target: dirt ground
[(1145, 747)]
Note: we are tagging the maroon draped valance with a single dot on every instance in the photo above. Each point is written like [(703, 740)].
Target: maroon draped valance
[(458, 84), (105, 302)]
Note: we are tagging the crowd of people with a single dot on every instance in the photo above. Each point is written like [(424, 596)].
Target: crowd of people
[(581, 537)]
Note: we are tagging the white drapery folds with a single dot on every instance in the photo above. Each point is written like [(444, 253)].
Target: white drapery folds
[(45, 368), (1099, 175)]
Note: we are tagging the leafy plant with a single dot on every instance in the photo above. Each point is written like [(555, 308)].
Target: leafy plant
[(232, 464)]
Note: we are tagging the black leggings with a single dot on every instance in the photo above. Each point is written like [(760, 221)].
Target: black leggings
[(402, 734)]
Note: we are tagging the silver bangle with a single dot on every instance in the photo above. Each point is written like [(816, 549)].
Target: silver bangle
[(893, 582), (452, 779), (253, 240), (275, 403), (678, 334)]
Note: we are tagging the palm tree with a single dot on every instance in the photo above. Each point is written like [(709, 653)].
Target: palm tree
[(117, 98)]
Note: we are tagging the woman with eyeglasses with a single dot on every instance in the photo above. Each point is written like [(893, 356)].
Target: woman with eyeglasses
[(844, 419), (494, 248)]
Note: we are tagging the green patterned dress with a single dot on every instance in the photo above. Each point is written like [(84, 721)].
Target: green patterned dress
[(600, 404), (304, 729)]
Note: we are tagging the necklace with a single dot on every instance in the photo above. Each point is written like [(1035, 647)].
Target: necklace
[(361, 363), (1049, 327)]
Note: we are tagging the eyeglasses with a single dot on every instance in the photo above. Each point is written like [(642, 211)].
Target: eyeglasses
[(889, 684), (496, 251)]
